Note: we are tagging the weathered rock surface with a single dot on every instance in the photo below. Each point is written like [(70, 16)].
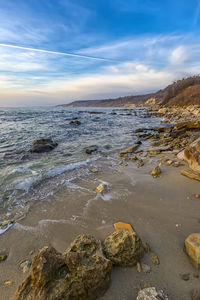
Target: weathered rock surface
[(123, 248), (188, 125), (191, 155), (43, 145), (81, 273), (192, 246), (151, 294), (191, 174)]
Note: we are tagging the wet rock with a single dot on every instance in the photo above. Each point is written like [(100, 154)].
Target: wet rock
[(191, 155), (146, 268), (151, 294), (192, 246), (82, 272), (138, 267), (123, 248), (101, 188), (75, 122), (91, 150), (133, 158), (8, 282), (42, 145), (156, 172), (197, 196), (94, 170), (130, 149), (146, 247), (3, 257), (191, 174)]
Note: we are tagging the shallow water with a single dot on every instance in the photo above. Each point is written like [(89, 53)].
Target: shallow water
[(25, 177)]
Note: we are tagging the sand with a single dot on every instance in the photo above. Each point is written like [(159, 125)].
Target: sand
[(163, 211)]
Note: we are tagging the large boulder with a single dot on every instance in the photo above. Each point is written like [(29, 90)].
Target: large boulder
[(151, 294), (81, 273), (43, 145), (192, 246), (191, 155), (123, 248)]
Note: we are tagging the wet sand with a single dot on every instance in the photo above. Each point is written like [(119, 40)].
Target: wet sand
[(163, 211)]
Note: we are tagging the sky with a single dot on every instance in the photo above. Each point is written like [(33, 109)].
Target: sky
[(58, 51)]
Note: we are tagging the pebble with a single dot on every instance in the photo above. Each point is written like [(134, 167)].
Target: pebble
[(3, 257), (8, 282), (25, 265), (197, 196), (146, 268), (185, 277), (154, 259), (95, 170)]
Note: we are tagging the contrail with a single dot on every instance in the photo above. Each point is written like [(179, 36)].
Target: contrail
[(197, 12), (54, 52)]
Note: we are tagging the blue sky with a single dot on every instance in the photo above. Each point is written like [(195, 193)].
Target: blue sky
[(121, 47)]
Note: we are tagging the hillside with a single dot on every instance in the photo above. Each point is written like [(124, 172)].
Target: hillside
[(183, 92)]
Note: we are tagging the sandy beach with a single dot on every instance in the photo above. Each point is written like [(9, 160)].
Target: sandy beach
[(163, 211)]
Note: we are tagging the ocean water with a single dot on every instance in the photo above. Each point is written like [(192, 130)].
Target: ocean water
[(26, 177)]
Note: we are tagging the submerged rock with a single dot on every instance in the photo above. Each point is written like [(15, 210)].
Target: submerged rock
[(192, 246), (101, 188), (151, 294), (75, 122), (130, 149), (123, 248), (42, 145), (81, 273), (91, 150)]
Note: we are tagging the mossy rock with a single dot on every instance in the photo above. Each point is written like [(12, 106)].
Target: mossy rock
[(123, 248)]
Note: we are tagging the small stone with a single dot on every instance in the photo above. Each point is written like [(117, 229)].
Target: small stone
[(133, 158), (31, 252), (94, 170), (197, 196), (151, 293), (140, 163), (3, 257), (156, 172), (154, 259), (125, 164), (25, 265), (146, 268), (147, 247), (138, 267), (185, 277), (8, 282), (101, 188), (169, 162)]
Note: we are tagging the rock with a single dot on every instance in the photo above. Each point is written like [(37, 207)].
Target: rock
[(191, 174), (130, 149), (3, 257), (94, 170), (101, 188), (153, 151), (192, 246), (154, 259), (138, 267), (42, 145), (196, 294), (91, 150), (146, 268), (75, 122), (133, 158), (25, 265), (8, 282), (197, 196), (187, 125), (185, 277), (140, 163), (169, 162), (151, 294), (191, 155), (156, 172), (123, 248), (146, 247), (82, 272)]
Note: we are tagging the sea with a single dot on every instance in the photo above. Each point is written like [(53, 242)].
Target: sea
[(27, 177)]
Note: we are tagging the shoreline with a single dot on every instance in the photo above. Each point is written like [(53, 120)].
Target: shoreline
[(163, 211)]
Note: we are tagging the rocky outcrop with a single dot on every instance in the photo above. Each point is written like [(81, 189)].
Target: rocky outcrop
[(188, 125), (43, 145), (151, 294), (81, 273), (192, 246), (130, 149), (191, 155), (123, 248)]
